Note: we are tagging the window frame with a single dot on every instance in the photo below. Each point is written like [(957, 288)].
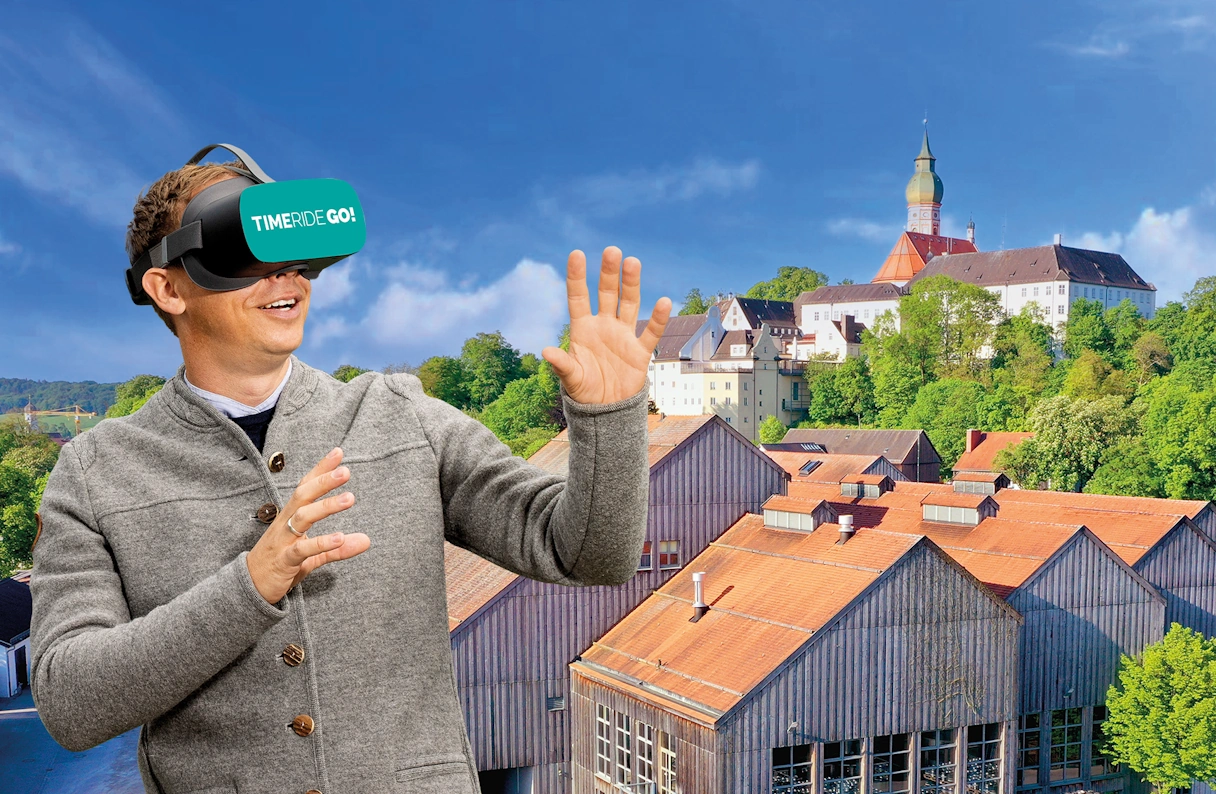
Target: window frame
[(986, 743), (669, 553), (623, 757), (877, 756), (644, 758), (1029, 743), (849, 757), (1096, 734), (939, 751), (1063, 730), (667, 782), (646, 563), (603, 739)]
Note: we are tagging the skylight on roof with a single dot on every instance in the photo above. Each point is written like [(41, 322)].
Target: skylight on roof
[(809, 467)]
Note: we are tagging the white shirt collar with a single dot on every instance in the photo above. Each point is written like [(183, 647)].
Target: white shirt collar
[(230, 407)]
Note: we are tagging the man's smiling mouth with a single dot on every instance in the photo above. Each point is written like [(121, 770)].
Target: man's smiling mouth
[(280, 305)]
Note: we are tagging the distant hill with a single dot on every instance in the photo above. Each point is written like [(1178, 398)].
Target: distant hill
[(53, 395)]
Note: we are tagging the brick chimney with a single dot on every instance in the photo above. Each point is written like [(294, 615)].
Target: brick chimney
[(973, 439)]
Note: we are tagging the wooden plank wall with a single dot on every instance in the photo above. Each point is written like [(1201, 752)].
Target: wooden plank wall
[(1082, 610), (1183, 569), (927, 648), (696, 745), (515, 654)]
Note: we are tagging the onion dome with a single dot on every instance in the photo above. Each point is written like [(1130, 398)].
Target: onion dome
[(925, 186)]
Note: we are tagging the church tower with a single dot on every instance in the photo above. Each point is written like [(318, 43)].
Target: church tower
[(924, 194)]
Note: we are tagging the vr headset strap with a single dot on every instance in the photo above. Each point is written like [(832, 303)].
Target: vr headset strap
[(172, 246), (255, 171)]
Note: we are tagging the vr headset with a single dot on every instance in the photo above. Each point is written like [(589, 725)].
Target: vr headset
[(241, 230)]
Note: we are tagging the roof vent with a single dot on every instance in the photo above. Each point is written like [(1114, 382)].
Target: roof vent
[(846, 529), (699, 607), (1059, 240)]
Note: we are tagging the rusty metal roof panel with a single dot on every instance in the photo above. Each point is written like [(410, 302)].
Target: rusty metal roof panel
[(981, 458)]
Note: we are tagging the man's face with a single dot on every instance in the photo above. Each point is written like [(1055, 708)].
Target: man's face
[(267, 317)]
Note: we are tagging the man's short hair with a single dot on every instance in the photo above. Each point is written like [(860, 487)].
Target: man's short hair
[(158, 212)]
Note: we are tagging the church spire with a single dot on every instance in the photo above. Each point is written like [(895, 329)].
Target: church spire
[(925, 192)]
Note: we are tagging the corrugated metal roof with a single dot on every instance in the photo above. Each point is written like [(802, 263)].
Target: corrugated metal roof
[(473, 581), (769, 591), (1041, 263), (980, 459), (898, 446)]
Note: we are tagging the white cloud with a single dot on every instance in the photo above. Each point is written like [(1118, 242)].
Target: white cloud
[(1170, 249), (866, 230), (1099, 48), (421, 311), (8, 248), (65, 96), (333, 286), (609, 194)]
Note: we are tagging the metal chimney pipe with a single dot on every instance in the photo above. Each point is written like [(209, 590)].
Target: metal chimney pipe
[(699, 607), (1059, 239), (846, 528)]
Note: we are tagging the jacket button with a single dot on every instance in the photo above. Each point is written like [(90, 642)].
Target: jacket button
[(293, 654), (268, 512), (313, 791), (276, 462), (302, 725)]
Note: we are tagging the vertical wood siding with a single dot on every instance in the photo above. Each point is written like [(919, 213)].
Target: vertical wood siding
[(696, 745), (1183, 568), (1082, 610), (927, 647), (514, 655)]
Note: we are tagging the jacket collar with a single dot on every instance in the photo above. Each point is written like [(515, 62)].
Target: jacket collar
[(182, 401)]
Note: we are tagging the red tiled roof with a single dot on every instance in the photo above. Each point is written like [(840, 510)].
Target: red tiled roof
[(913, 250), (981, 458), (830, 468)]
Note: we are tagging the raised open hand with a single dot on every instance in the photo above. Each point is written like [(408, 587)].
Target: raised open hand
[(607, 361)]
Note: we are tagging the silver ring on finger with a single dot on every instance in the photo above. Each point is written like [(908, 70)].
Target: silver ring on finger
[(295, 531)]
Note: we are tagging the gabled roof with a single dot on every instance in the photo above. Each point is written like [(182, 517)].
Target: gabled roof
[(473, 581), (980, 459), (849, 328), (679, 330), (767, 589), (16, 606), (1042, 263), (828, 468), (913, 250), (733, 338), (759, 310), (849, 293), (898, 446)]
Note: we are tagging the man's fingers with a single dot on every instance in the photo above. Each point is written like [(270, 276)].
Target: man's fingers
[(342, 548), (313, 512), (610, 273), (324, 466), (658, 321), (576, 286), (564, 365), (631, 290), (311, 490)]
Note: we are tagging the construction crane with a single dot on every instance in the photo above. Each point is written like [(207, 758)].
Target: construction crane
[(31, 415)]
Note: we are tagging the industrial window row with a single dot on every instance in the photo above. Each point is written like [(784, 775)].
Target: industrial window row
[(893, 763), (669, 555), (1062, 745), (630, 753)]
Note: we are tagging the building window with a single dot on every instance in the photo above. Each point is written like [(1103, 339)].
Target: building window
[(667, 765), (745, 418), (729, 384), (984, 759), (1099, 763), (669, 554), (1065, 745), (867, 314), (1062, 292), (937, 761), (728, 420), (792, 769), (624, 749), (746, 385), (842, 767), (1023, 292), (1036, 292), (794, 390), (835, 315), (713, 400), (603, 741), (1060, 309), (645, 753), (890, 765), (647, 561), (727, 402), (713, 384), (816, 315), (745, 401), (1029, 744)]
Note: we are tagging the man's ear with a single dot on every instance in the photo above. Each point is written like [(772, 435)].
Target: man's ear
[(162, 288)]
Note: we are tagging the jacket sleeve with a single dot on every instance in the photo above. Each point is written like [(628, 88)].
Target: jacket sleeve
[(585, 528), (95, 672)]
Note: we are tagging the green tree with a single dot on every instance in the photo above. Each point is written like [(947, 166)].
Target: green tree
[(35, 458), (856, 389), (444, 377), (1196, 338), (1179, 426), (947, 324), (18, 522), (945, 410), (1150, 357), (789, 283), (489, 364), (1161, 717), (1089, 376), (1070, 438), (346, 373), (132, 395), (771, 430), (1086, 329), (527, 444), (1021, 363), (1126, 325), (695, 303), (826, 405), (894, 372), (1127, 469), (525, 403)]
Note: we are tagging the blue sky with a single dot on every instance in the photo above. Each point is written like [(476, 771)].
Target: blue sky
[(716, 141)]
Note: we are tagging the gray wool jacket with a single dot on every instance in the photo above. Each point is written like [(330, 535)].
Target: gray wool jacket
[(144, 612)]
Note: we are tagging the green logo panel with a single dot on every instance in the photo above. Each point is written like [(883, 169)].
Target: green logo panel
[(302, 219)]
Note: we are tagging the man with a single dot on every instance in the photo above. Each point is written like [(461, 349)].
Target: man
[(178, 584)]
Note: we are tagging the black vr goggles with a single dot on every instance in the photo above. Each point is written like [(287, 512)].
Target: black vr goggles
[(241, 230)]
